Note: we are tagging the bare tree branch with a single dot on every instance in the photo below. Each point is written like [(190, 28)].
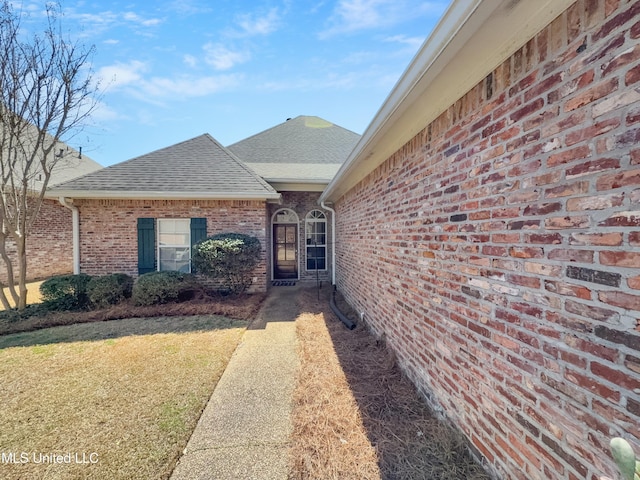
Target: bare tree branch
[(46, 94)]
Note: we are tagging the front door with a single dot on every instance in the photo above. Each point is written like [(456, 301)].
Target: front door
[(285, 248)]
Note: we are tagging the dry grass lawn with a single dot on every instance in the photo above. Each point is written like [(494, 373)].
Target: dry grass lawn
[(357, 417), (127, 391), (33, 294)]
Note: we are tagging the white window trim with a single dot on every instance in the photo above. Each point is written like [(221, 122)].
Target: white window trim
[(158, 247), (308, 220)]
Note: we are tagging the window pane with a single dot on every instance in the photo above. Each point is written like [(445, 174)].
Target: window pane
[(174, 231), (173, 238), (174, 258), (291, 234), (316, 256)]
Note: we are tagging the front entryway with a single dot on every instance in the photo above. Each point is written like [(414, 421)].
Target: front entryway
[(285, 251), (284, 245)]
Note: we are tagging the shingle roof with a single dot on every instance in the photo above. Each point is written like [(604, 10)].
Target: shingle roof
[(196, 168), (304, 146)]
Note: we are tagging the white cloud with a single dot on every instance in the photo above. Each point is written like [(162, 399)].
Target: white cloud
[(223, 58), (253, 25), (190, 60), (145, 22), (103, 113), (188, 86), (187, 8), (351, 16), (413, 42), (121, 74)]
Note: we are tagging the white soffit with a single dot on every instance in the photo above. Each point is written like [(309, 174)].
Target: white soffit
[(470, 41)]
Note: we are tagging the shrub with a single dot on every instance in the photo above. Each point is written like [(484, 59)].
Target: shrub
[(229, 258), (163, 287), (109, 289), (65, 292)]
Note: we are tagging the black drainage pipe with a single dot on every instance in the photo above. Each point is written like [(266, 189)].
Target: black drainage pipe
[(332, 303)]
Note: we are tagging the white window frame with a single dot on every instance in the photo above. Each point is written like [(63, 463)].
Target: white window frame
[(185, 221), (312, 218)]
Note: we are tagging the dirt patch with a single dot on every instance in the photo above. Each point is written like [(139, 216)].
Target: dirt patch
[(357, 417), (242, 307)]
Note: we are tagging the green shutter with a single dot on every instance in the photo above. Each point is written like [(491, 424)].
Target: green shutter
[(146, 245), (198, 233), (198, 230)]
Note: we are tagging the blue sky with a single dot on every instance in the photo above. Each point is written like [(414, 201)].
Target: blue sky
[(174, 69)]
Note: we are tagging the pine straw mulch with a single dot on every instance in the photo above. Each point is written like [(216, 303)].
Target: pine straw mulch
[(241, 307), (357, 417)]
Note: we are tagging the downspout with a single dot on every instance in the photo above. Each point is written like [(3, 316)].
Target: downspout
[(75, 221), (333, 242)]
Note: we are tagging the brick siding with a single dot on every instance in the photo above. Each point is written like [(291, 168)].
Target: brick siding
[(302, 203), (49, 244), (498, 252), (109, 238)]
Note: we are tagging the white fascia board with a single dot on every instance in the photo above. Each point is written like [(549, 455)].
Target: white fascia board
[(472, 38), (114, 195), (293, 186)]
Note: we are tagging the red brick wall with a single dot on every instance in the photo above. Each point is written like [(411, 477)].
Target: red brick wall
[(109, 238), (302, 203), (498, 252), (49, 244)]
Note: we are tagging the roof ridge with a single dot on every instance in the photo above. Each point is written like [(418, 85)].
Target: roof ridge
[(241, 163)]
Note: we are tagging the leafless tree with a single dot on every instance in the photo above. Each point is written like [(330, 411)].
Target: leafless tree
[(46, 95)]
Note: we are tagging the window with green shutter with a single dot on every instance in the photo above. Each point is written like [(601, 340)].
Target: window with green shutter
[(165, 243)]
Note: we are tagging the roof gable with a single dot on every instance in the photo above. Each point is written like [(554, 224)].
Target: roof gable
[(196, 168), (304, 148)]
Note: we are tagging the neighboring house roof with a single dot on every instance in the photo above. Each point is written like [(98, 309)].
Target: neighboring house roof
[(471, 39), (199, 168), (304, 149), (72, 165), (69, 162)]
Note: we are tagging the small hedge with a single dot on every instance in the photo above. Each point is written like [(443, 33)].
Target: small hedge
[(65, 292), (163, 287), (229, 258), (109, 289)]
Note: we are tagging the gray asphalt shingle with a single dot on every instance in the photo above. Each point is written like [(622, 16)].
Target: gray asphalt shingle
[(198, 165), (305, 146)]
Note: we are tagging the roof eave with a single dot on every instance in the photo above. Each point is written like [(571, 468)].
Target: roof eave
[(158, 195), (470, 41), (312, 181)]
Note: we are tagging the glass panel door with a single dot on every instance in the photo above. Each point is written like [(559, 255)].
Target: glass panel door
[(285, 251)]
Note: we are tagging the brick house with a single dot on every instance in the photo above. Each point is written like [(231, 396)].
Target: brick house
[(49, 245), (488, 227), (145, 214)]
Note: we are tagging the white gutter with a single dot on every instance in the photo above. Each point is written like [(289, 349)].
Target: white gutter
[(75, 221), (333, 241)]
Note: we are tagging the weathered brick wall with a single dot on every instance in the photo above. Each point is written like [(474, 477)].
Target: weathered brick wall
[(302, 203), (498, 252), (49, 245), (109, 238)]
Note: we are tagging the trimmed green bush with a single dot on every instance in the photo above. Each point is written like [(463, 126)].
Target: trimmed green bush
[(229, 258), (109, 289), (163, 287), (65, 292)]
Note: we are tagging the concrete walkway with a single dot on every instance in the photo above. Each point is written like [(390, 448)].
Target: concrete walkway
[(244, 430)]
